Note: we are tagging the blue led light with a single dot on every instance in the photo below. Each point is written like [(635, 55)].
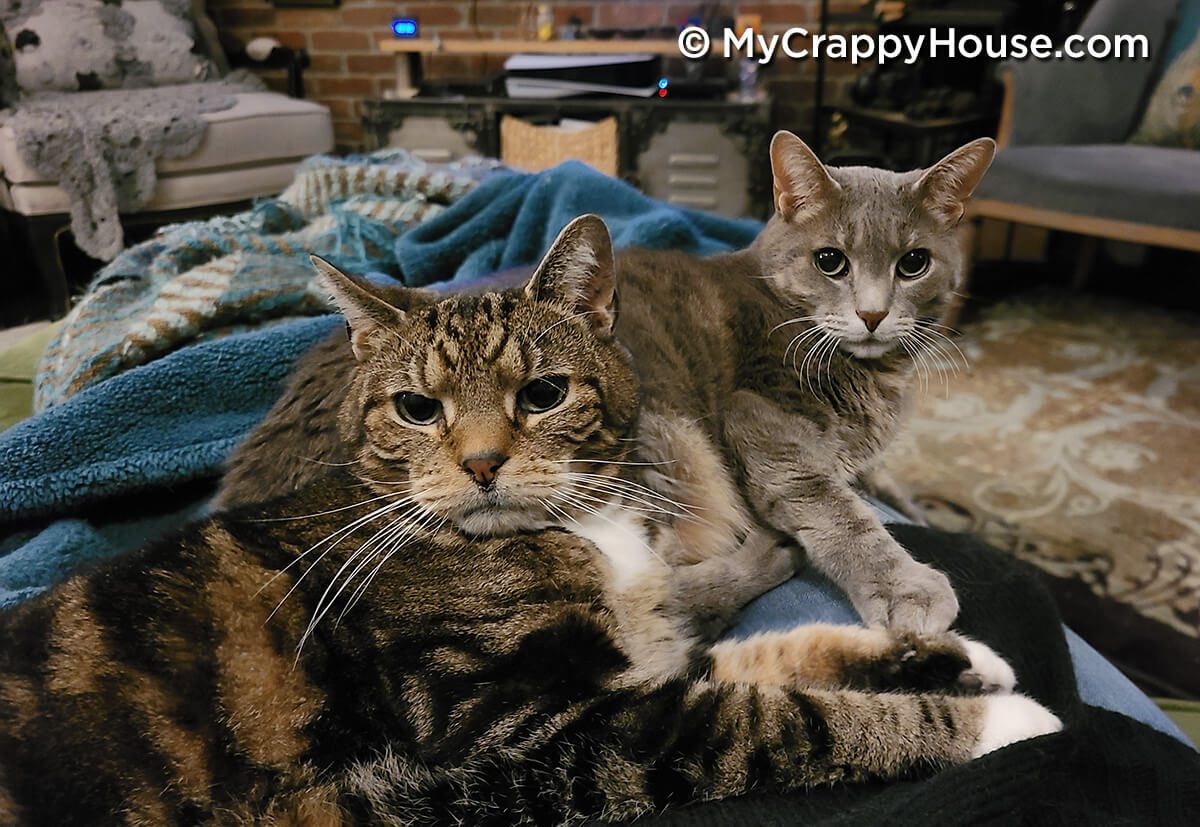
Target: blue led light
[(404, 27), (662, 84)]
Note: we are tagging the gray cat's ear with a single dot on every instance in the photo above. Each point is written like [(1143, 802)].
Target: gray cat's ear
[(370, 319), (802, 184), (946, 186), (579, 271)]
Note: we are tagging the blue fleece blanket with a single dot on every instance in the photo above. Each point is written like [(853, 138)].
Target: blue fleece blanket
[(174, 420)]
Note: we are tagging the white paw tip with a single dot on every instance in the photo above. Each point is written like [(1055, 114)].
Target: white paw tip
[(994, 673), (1011, 718)]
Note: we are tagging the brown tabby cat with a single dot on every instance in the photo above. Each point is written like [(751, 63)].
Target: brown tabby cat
[(463, 680)]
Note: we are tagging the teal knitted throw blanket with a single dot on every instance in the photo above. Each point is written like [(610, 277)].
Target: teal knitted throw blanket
[(200, 280)]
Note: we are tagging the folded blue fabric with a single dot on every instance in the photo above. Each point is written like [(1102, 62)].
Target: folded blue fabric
[(167, 422), (511, 218), (175, 419)]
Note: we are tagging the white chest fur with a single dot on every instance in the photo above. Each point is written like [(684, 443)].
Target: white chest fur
[(621, 537)]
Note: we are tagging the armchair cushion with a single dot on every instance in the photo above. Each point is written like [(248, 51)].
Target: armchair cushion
[(1141, 184), (1090, 101), (249, 150)]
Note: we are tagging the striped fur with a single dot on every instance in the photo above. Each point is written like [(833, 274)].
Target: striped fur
[(358, 651), (477, 681)]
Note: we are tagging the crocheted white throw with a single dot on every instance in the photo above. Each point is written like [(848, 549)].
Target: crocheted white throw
[(101, 146)]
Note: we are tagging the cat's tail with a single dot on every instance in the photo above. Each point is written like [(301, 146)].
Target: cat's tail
[(638, 751)]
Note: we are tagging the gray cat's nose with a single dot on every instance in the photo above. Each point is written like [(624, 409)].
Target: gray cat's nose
[(483, 467), (872, 318)]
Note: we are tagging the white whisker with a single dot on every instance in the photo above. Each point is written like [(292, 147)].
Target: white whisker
[(328, 464), (642, 513), (910, 346), (941, 337), (584, 507), (936, 356), (610, 462), (796, 320), (333, 539), (802, 373), (387, 549), (325, 603), (796, 341), (631, 488), (825, 366), (324, 513), (615, 499), (538, 338)]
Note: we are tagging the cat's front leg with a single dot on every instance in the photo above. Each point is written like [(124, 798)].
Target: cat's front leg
[(881, 485), (712, 591), (796, 484), (824, 655)]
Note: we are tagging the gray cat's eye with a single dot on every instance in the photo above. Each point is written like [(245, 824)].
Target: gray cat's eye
[(913, 264), (417, 409), (543, 394), (831, 262)]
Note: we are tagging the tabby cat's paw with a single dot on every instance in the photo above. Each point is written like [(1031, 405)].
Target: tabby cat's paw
[(988, 672), (941, 663), (1011, 718), (915, 663)]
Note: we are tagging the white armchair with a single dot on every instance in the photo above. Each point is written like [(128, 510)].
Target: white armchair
[(250, 150)]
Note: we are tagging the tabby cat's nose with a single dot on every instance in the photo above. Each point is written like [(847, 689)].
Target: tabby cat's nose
[(872, 318), (483, 467)]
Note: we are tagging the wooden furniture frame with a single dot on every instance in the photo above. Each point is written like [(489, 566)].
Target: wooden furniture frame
[(1093, 229)]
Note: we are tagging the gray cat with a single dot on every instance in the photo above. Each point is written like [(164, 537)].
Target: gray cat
[(796, 356)]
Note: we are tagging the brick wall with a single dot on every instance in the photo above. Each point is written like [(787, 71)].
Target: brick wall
[(346, 66)]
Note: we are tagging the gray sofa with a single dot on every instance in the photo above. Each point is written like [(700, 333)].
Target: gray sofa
[(1064, 163)]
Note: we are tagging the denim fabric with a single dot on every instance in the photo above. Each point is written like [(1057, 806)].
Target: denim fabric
[(810, 598)]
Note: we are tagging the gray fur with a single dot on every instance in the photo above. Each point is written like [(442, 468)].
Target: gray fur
[(770, 357)]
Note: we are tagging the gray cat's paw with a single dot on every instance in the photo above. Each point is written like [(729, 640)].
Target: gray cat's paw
[(762, 556), (915, 598)]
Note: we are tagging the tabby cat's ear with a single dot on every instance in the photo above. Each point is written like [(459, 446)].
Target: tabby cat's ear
[(946, 186), (579, 271), (802, 184), (369, 317)]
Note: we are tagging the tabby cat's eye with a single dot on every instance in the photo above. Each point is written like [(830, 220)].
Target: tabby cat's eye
[(543, 394), (831, 262), (913, 264), (417, 409)]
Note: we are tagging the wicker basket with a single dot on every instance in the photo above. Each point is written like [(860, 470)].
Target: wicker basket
[(536, 148)]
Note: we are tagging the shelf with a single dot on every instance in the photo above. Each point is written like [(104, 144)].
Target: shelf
[(898, 120), (669, 48), (925, 18)]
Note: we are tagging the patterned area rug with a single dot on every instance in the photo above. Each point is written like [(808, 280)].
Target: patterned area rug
[(1073, 442)]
